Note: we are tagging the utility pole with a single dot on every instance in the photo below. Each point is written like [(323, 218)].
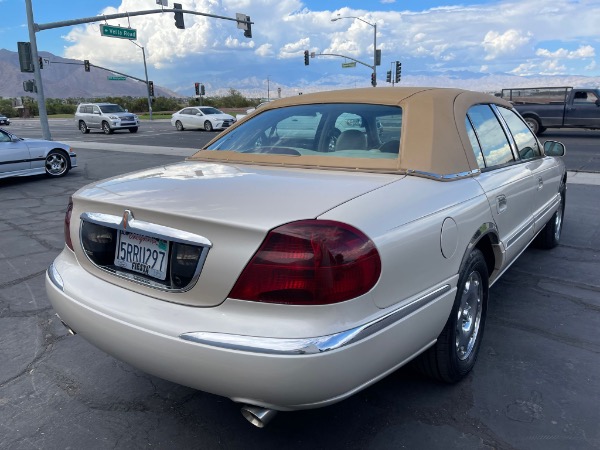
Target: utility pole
[(37, 74)]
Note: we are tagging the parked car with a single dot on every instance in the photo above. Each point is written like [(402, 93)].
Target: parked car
[(107, 117), (556, 107), (201, 117), (251, 110), (22, 157), (4, 120), (284, 274)]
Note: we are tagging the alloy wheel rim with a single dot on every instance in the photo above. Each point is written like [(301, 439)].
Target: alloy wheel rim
[(55, 164), (558, 222), (469, 316)]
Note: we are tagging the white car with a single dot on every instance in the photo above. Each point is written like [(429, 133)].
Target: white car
[(287, 267), (201, 117), (4, 120), (23, 157)]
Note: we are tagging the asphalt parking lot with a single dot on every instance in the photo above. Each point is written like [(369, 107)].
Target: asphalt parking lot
[(536, 384)]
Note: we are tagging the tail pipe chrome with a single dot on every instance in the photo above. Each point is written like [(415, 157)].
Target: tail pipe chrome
[(69, 329), (257, 416)]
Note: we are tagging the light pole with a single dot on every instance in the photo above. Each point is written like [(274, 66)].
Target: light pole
[(147, 85), (374, 25)]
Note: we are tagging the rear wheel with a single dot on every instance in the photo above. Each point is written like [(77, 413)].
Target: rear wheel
[(455, 352), (534, 124), (83, 127), (179, 126), (106, 128), (549, 237), (57, 164), (133, 130), (208, 126)]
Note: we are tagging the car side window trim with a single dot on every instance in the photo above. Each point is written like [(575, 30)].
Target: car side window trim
[(511, 138), (488, 165)]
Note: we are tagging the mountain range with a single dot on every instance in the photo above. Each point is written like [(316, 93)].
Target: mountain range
[(66, 78)]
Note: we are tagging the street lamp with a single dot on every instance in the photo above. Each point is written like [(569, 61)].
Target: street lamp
[(147, 85), (374, 25)]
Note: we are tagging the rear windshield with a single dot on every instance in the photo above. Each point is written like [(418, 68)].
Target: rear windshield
[(338, 130), (111, 108)]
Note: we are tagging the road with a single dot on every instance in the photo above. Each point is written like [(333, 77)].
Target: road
[(536, 384), (583, 146)]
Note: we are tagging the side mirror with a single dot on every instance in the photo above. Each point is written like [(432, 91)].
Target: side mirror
[(554, 148), (598, 102), (126, 110)]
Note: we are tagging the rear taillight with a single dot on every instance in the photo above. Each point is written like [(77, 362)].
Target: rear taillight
[(68, 224), (310, 262)]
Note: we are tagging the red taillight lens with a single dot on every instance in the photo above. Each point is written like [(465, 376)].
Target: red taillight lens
[(68, 224), (310, 262)]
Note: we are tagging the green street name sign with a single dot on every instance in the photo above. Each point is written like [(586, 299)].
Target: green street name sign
[(113, 78), (348, 64), (118, 32)]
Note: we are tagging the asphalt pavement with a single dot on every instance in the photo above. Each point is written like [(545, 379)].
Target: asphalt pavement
[(536, 384)]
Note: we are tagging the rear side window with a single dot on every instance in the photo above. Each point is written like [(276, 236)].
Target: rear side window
[(526, 142), (490, 135)]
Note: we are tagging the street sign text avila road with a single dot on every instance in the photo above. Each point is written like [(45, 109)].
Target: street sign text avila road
[(118, 32)]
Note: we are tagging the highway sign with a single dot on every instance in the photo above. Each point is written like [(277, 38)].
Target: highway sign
[(118, 32), (348, 64), (114, 78)]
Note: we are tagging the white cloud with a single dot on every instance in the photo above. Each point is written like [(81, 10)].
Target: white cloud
[(388, 1), (509, 42), (591, 66), (585, 51), (504, 34)]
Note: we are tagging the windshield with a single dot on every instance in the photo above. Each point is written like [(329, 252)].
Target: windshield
[(111, 109), (335, 130)]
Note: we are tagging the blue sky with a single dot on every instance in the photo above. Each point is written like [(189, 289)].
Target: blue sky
[(461, 39)]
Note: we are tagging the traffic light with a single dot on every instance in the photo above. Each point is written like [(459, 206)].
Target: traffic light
[(150, 88), (398, 71), (388, 76), (178, 17), (306, 60), (86, 65), (41, 62), (202, 91), (197, 86), (248, 30), (29, 86), (373, 81)]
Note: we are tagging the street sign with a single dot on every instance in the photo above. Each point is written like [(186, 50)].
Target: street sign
[(118, 32), (348, 64), (115, 78)]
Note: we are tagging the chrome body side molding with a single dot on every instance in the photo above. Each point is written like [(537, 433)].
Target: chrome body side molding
[(307, 346)]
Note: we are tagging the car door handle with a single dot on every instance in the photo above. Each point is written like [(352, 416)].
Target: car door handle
[(540, 183), (501, 203)]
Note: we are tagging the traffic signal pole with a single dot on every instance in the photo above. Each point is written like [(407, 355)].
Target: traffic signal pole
[(37, 74)]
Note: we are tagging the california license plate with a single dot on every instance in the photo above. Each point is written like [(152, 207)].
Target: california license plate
[(142, 254)]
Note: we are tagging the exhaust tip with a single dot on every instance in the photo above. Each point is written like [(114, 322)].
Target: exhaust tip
[(257, 416), (69, 329)]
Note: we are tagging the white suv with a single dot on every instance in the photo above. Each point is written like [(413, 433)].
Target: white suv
[(105, 116)]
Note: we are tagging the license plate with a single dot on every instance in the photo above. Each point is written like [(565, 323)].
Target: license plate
[(142, 254)]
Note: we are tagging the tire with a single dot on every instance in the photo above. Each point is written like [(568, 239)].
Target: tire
[(57, 164), (179, 126), (534, 125), (455, 352), (549, 237), (133, 130), (208, 126), (106, 128), (83, 127)]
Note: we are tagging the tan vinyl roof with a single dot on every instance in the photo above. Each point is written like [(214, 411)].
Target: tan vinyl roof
[(434, 139)]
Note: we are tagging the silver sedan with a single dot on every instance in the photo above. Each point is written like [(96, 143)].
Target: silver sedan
[(22, 157), (201, 117)]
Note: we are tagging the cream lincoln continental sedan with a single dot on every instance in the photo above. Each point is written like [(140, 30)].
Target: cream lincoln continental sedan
[(314, 247)]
